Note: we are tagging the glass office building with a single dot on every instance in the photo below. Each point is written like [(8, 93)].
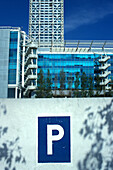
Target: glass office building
[(20, 63), (11, 52), (71, 59), (69, 63)]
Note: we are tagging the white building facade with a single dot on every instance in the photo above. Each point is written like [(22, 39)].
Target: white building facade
[(12, 48)]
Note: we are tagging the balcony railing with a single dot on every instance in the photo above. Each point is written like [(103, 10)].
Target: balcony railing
[(30, 87), (105, 66), (30, 56), (104, 59), (105, 74), (30, 77), (30, 66), (108, 88), (104, 83)]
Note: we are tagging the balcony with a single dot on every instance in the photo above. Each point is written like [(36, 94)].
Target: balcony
[(104, 83), (105, 66), (104, 59), (30, 87), (105, 74), (30, 66), (30, 56), (33, 45), (30, 77), (108, 88)]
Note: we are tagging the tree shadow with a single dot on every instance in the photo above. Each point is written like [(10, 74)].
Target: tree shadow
[(98, 127), (10, 151)]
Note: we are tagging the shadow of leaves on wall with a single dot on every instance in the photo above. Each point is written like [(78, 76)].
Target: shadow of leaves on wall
[(10, 151), (98, 127)]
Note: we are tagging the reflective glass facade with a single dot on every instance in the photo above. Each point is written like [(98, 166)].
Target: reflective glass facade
[(11, 93), (70, 63), (12, 57)]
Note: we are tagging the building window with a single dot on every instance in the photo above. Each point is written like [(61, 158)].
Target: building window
[(11, 92)]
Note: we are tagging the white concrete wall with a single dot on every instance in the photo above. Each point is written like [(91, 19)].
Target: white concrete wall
[(4, 61), (20, 118)]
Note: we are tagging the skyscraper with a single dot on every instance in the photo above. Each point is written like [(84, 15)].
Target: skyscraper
[(46, 22)]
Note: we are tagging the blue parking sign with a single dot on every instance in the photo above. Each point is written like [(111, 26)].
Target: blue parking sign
[(54, 144)]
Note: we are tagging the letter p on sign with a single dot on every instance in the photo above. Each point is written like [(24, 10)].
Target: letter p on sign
[(51, 138), (54, 144)]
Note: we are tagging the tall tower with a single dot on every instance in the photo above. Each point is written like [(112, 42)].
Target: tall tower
[(46, 22)]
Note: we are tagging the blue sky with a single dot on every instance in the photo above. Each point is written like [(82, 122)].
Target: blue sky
[(84, 19)]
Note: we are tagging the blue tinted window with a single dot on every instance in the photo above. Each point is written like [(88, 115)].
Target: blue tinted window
[(70, 63), (11, 93), (13, 57)]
